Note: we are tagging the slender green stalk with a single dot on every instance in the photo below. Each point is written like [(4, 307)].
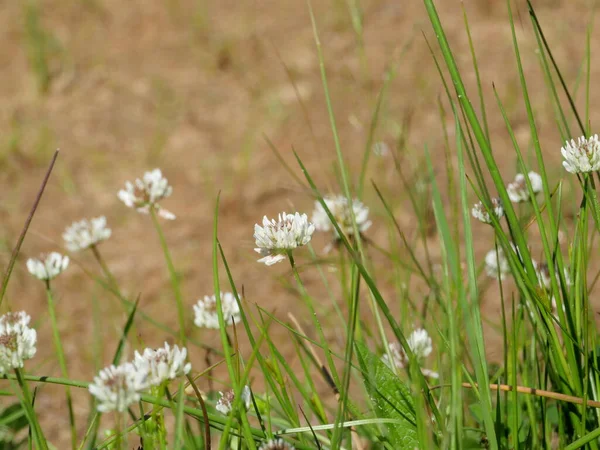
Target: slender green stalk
[(174, 277), (60, 353), (105, 269), (36, 429)]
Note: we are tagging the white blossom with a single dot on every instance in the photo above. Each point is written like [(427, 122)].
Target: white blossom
[(420, 343), (430, 373), (381, 149), (206, 315), (46, 267), (117, 387), (582, 156), (277, 237), (543, 274), (227, 399), (517, 190), (480, 213), (276, 444), (162, 364), (85, 233), (145, 193), (17, 340), (496, 264), (338, 206), (397, 354)]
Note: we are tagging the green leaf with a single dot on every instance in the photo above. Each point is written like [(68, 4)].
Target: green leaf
[(391, 399)]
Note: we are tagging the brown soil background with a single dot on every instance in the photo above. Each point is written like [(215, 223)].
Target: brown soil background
[(192, 87)]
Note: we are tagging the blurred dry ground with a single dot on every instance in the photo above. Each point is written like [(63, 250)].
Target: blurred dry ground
[(193, 87)]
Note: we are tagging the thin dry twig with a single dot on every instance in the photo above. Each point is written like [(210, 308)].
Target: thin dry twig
[(531, 391), (17, 248)]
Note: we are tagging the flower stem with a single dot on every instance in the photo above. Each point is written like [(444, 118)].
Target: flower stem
[(37, 432), (62, 363), (173, 274), (107, 273)]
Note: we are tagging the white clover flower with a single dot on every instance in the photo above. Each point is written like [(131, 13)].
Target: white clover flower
[(162, 364), (14, 320), (85, 233), (146, 193), (381, 149), (276, 444), (277, 237), (227, 400), (517, 190), (543, 274), (17, 340), (582, 156), (398, 357), (338, 205), (420, 343), (117, 387), (47, 266), (206, 315), (480, 213), (430, 373), (496, 264)]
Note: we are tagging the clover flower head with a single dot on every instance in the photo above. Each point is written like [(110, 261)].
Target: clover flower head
[(338, 205), (46, 267), (278, 237), (480, 213), (17, 341), (206, 315), (381, 149), (583, 155), (496, 264), (117, 387), (85, 233), (397, 354), (162, 364), (14, 320), (276, 444), (420, 343), (145, 193), (517, 190), (542, 271), (227, 399)]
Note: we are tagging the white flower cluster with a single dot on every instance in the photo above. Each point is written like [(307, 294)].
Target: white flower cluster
[(46, 267), (517, 190), (145, 193), (276, 444), (162, 364), (480, 213), (85, 233), (543, 274), (583, 155), (17, 340), (227, 399), (116, 387), (419, 343), (496, 264), (206, 315), (338, 205), (277, 237)]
